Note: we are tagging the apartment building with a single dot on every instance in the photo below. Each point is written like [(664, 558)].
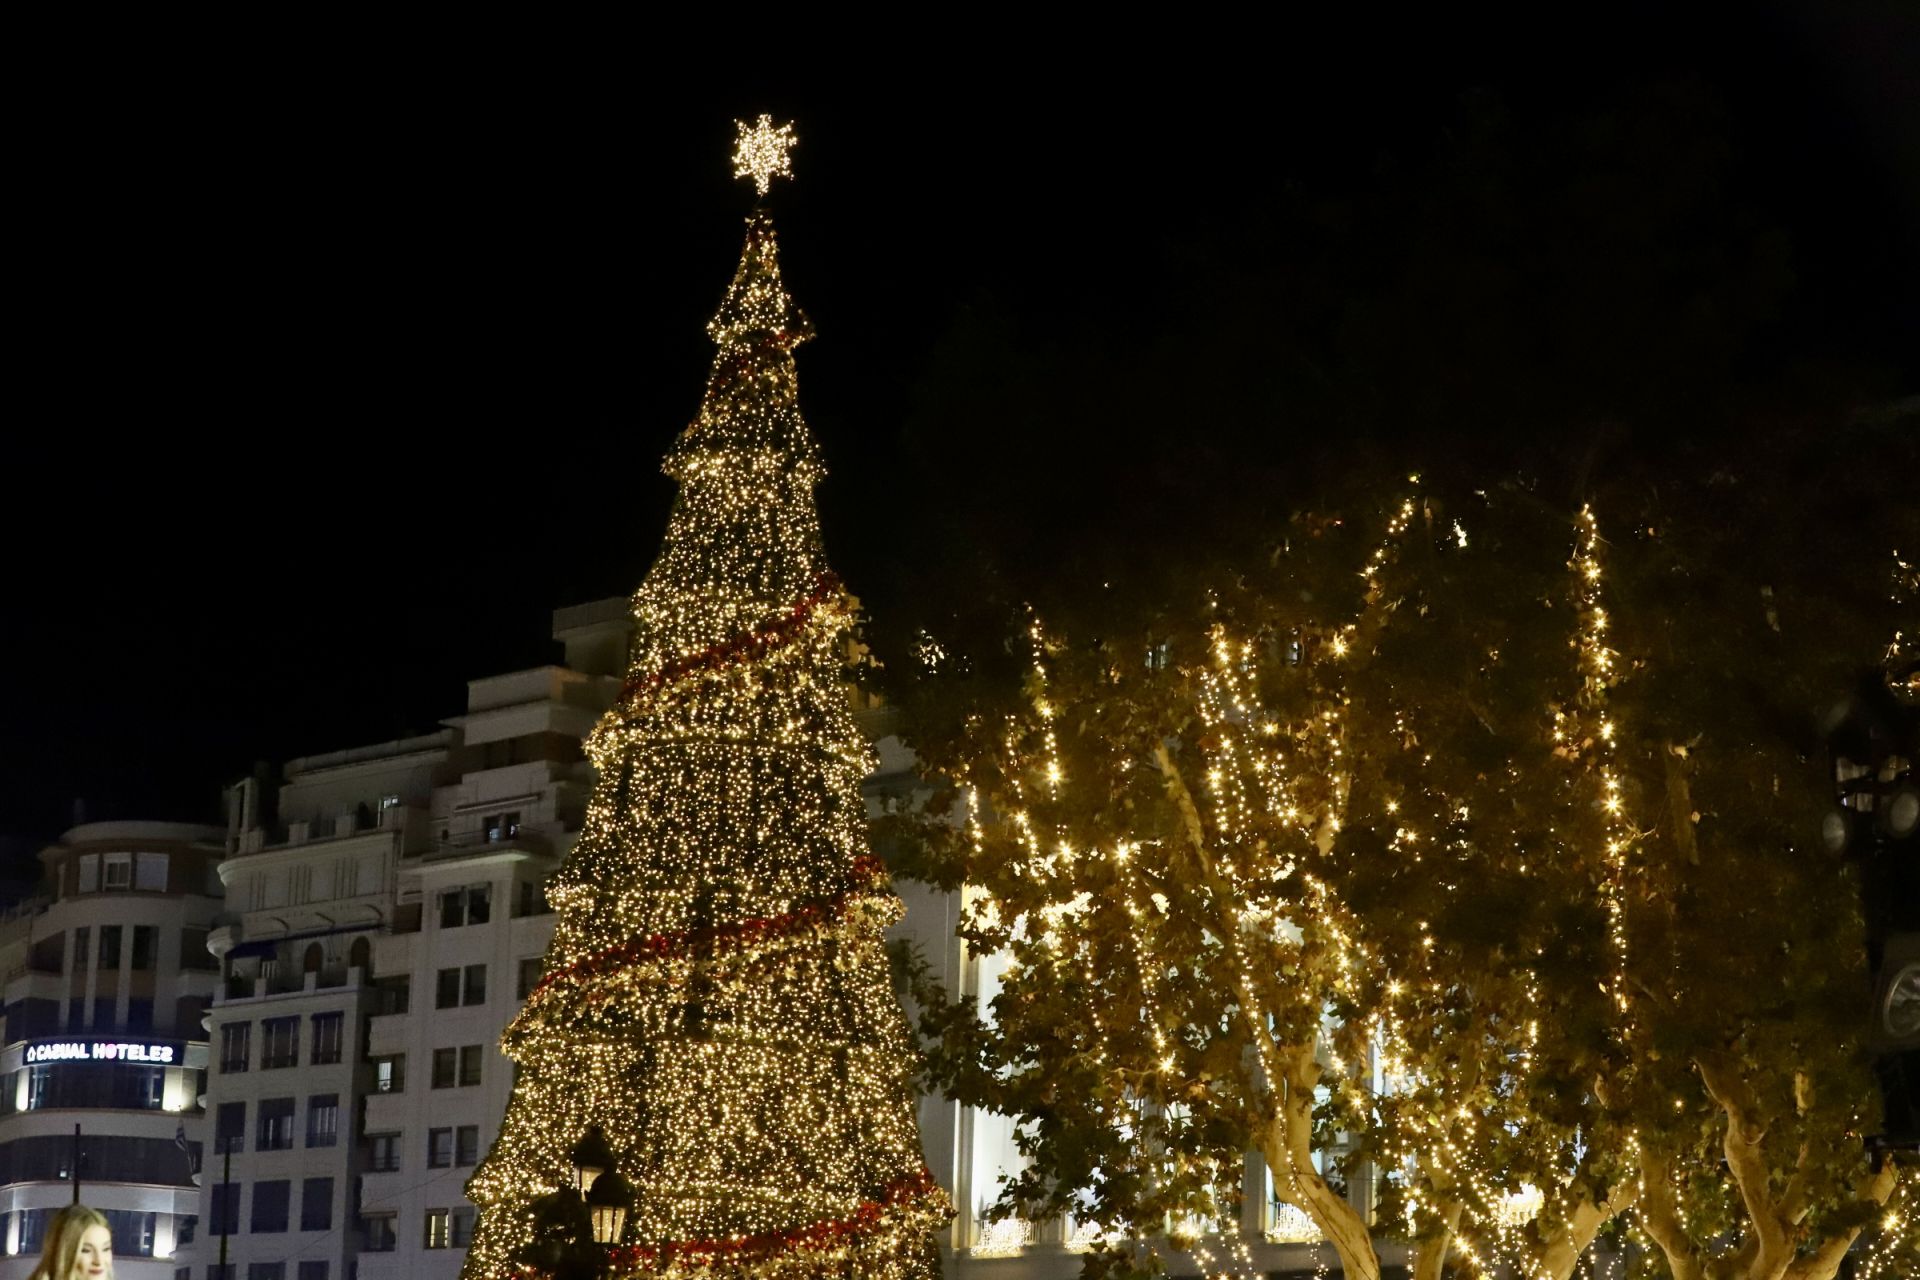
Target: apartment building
[(101, 1074), (384, 920)]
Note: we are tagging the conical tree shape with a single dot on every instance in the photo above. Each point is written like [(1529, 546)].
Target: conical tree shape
[(717, 995)]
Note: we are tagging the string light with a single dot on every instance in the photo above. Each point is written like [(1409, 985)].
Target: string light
[(717, 996)]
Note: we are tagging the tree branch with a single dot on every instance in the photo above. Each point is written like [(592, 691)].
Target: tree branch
[(1747, 1162), (1823, 1263), (1292, 1068), (1662, 1220), (1562, 1246)]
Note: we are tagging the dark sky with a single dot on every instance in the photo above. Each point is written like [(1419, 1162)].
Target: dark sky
[(337, 378)]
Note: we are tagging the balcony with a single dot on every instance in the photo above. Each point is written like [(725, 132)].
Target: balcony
[(289, 981), (468, 844), (359, 821), (389, 1112)]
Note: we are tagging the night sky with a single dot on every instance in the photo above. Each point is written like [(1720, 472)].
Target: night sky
[(334, 381)]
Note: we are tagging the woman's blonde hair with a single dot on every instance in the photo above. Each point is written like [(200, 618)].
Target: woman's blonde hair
[(62, 1244)]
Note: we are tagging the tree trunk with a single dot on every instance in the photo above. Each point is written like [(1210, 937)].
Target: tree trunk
[(1430, 1256), (1562, 1248), (1662, 1221), (1289, 1151)]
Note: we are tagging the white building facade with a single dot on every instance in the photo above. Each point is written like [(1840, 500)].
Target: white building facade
[(107, 981), (385, 919)]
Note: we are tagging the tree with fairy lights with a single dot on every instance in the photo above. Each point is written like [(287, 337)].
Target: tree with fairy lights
[(717, 999), (1457, 851), (1203, 833)]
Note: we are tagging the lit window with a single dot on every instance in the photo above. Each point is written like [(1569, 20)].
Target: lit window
[(235, 1039), (276, 1125), (323, 1119), (280, 1043)]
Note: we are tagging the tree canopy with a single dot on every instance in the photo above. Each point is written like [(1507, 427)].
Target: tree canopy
[(1466, 837)]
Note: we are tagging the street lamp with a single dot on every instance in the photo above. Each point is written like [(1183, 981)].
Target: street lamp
[(608, 1200), (590, 1157)]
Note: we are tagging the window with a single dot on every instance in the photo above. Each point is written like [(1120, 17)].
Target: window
[(150, 872), (316, 1204), (462, 1234), (439, 1148), (390, 1073), (328, 1031), (455, 987), (383, 1153), (266, 1270), (389, 802), (530, 975), (109, 946), (132, 1231), (235, 1039), (140, 1088), (466, 1145), (377, 1234), (146, 945), (230, 1129), (139, 1014), (119, 870), (103, 1013), (312, 1270), (276, 1124), (89, 873), (439, 1229), (446, 1066), (533, 899), (82, 948), (470, 1064), (501, 826), (279, 1043), (184, 1226), (323, 1119), (472, 905), (39, 1086), (270, 1200)]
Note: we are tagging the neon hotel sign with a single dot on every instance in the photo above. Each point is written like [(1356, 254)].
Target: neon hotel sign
[(151, 1052)]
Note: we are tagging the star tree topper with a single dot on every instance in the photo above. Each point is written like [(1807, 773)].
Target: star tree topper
[(760, 151)]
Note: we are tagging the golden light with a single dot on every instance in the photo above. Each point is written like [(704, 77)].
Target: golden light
[(763, 151)]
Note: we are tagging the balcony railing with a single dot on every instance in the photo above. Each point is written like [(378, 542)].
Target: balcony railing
[(337, 826)]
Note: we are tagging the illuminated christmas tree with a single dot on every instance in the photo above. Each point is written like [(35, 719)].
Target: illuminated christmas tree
[(717, 996)]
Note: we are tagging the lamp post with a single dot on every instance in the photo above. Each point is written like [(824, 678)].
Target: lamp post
[(608, 1201), (590, 1157)]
